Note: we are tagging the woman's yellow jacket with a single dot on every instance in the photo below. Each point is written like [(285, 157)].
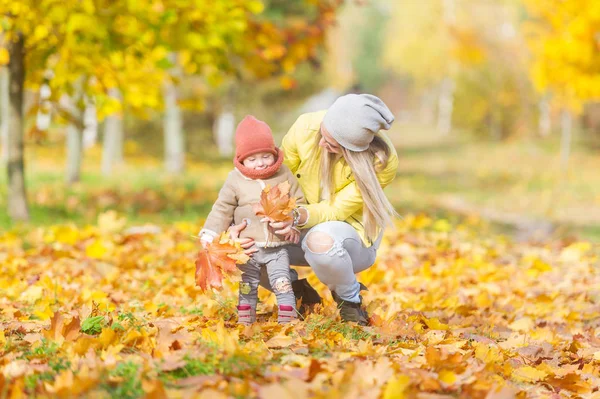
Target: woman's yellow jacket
[(299, 145)]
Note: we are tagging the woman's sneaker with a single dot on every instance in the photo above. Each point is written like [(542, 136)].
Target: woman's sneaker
[(246, 315), (352, 311), (286, 314), (305, 292)]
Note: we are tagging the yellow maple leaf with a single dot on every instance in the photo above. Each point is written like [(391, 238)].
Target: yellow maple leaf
[(110, 222), (522, 324), (528, 374), (488, 354), (396, 387), (280, 341), (435, 324), (96, 250), (447, 377), (32, 294), (66, 234)]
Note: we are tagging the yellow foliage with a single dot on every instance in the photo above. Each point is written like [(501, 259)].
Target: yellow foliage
[(4, 56), (528, 374), (563, 38)]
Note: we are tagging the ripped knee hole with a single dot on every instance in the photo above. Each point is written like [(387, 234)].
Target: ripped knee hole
[(319, 243)]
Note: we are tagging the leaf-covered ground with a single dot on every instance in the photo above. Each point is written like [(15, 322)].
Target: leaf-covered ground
[(111, 310)]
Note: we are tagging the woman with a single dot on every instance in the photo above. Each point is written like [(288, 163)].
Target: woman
[(342, 161)]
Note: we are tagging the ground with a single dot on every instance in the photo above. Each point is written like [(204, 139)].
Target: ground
[(99, 297)]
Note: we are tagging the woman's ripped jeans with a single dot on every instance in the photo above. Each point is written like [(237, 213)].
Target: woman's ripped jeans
[(335, 252)]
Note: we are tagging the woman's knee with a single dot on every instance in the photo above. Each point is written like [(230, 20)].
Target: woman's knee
[(319, 242)]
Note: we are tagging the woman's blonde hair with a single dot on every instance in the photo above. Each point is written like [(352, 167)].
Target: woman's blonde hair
[(377, 209)]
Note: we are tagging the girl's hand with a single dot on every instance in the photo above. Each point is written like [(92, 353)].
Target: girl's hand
[(246, 243), (279, 228), (293, 236)]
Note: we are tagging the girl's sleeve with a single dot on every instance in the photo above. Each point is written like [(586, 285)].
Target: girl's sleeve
[(221, 216)]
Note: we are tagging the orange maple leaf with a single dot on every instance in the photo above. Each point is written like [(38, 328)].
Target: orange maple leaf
[(217, 259), (276, 203), (61, 330)]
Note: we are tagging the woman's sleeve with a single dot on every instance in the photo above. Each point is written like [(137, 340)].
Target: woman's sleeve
[(289, 145), (345, 203), (348, 200), (295, 189)]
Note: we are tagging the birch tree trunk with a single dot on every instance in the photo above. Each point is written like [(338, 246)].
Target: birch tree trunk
[(566, 126), (445, 106), (74, 153), (74, 138), (17, 198), (4, 115), (446, 96), (112, 151), (90, 123), (43, 118), (545, 123), (224, 126), (427, 107), (174, 140)]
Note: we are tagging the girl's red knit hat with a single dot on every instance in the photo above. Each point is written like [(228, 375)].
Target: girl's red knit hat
[(253, 136)]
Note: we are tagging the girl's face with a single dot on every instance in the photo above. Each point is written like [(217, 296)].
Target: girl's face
[(328, 143), (259, 161)]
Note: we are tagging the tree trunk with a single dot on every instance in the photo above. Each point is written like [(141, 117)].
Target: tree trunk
[(495, 126), (4, 112), (74, 153), (449, 12), (17, 198), (545, 123), (112, 152), (43, 119), (566, 125), (445, 106), (90, 122), (74, 138), (174, 140), (224, 126), (427, 108)]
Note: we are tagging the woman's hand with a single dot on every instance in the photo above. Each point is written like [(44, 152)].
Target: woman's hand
[(246, 243)]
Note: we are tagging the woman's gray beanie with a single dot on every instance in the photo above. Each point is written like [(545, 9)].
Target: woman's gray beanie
[(354, 119)]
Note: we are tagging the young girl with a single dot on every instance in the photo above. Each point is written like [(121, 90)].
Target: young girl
[(258, 163)]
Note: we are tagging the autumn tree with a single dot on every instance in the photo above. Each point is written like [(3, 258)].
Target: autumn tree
[(81, 50), (563, 37), (279, 39), (228, 43), (433, 42)]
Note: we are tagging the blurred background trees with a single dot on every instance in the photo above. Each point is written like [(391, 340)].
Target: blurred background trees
[(171, 79)]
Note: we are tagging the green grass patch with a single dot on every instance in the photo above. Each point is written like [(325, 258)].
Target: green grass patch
[(93, 325), (124, 381), (236, 365), (322, 326)]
